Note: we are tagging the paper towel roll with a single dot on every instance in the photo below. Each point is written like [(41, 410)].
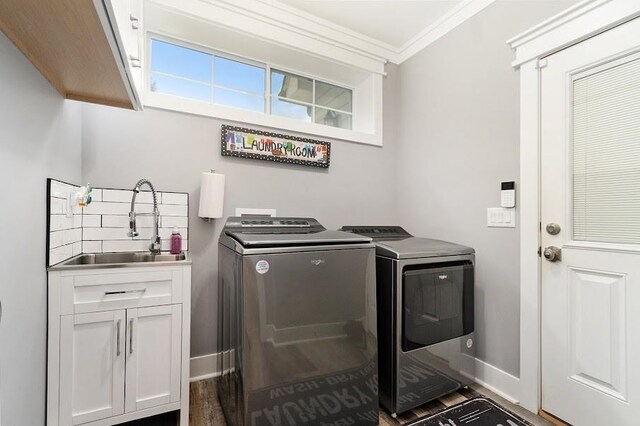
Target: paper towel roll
[(211, 195)]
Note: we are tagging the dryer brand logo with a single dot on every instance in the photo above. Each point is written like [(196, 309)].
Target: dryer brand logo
[(443, 277), (318, 261)]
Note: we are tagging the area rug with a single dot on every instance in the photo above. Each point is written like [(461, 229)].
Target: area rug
[(476, 412)]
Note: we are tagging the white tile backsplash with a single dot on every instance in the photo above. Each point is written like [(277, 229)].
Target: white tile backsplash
[(101, 234), (124, 196), (92, 246), (174, 198), (125, 245), (173, 210), (91, 221), (119, 221), (103, 225), (171, 221)]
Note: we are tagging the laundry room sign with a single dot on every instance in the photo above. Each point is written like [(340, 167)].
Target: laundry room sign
[(259, 145)]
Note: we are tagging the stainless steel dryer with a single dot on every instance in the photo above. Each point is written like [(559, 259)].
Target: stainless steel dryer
[(425, 297), (297, 324)]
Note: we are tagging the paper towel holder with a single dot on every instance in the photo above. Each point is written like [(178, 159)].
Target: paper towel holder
[(211, 196)]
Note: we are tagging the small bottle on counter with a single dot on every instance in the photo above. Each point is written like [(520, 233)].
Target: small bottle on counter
[(176, 241)]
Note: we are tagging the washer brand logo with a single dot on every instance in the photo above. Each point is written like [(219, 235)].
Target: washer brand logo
[(443, 277), (317, 261)]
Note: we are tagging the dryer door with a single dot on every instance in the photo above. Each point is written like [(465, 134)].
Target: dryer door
[(437, 302)]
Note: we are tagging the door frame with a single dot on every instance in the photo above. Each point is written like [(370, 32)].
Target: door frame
[(575, 24)]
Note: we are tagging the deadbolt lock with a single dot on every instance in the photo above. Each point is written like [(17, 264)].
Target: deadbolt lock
[(552, 254), (553, 228)]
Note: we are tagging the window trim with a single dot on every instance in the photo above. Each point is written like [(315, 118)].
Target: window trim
[(265, 118)]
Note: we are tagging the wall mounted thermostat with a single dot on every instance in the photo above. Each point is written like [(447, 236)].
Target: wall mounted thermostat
[(508, 195)]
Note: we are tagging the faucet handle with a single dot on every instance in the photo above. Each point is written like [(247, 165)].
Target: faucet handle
[(133, 232)]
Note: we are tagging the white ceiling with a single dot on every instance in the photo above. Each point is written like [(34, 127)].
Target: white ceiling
[(394, 23)]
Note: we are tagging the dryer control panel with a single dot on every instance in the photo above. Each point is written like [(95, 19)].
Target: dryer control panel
[(378, 232)]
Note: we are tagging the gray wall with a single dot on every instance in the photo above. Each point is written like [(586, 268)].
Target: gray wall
[(459, 122), (39, 138), (172, 149)]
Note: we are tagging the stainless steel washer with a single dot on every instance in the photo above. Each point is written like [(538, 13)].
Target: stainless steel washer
[(297, 324), (425, 298)]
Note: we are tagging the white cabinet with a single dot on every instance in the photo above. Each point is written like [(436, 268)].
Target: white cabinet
[(122, 23), (92, 359), (118, 345), (153, 356)]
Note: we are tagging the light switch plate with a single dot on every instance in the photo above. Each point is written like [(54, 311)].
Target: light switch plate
[(498, 217)]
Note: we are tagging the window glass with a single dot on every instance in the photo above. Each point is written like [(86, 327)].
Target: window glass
[(236, 99), (239, 76), (606, 155), (290, 109), (167, 58), (332, 118), (180, 87), (334, 97), (291, 87), (187, 73)]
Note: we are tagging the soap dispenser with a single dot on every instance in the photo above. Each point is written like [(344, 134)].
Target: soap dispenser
[(176, 241)]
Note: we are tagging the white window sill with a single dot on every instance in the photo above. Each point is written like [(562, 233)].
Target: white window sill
[(172, 103)]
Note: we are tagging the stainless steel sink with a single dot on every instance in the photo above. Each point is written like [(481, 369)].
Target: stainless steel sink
[(119, 260)]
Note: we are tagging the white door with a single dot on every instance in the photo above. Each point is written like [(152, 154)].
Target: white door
[(590, 188), (92, 357), (153, 356)]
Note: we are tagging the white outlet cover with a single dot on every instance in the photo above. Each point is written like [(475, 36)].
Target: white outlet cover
[(255, 212)]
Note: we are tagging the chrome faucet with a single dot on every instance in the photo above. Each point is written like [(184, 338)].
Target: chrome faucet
[(154, 247)]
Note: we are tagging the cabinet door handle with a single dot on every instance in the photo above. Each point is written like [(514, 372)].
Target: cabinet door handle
[(131, 336), (111, 293), (118, 338)]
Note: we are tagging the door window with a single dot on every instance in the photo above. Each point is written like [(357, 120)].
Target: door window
[(606, 154)]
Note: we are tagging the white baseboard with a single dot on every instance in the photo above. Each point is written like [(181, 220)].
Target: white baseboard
[(497, 381), (204, 367)]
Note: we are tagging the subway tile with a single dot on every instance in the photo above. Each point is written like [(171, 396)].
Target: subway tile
[(125, 245), (60, 238), (178, 198), (173, 210), (59, 254), (61, 190), (120, 221), (125, 195), (91, 220), (57, 206), (59, 222), (76, 248), (102, 207), (97, 234), (171, 221), (165, 233), (92, 246), (96, 195)]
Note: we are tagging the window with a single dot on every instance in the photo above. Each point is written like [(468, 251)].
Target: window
[(310, 100), (192, 74)]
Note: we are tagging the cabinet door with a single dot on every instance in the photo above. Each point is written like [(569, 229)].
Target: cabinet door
[(92, 365), (153, 356)]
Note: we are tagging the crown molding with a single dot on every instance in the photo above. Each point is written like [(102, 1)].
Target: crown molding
[(284, 24), (571, 26)]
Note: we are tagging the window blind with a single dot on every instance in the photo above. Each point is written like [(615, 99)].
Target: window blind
[(606, 155)]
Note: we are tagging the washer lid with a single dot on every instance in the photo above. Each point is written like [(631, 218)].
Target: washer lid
[(281, 238), (414, 247)]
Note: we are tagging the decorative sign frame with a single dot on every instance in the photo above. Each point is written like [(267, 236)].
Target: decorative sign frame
[(259, 145)]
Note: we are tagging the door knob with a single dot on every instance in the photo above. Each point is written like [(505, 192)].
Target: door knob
[(553, 228), (552, 254)]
